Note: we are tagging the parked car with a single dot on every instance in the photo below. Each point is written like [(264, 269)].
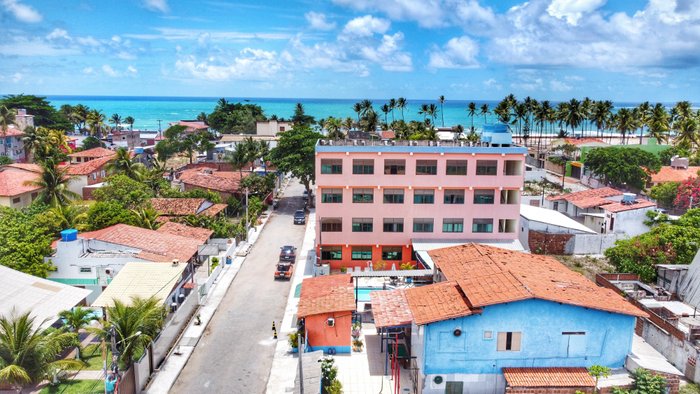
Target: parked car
[(299, 217), (284, 270), (288, 253)]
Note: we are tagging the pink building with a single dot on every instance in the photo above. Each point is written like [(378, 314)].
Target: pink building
[(373, 201)]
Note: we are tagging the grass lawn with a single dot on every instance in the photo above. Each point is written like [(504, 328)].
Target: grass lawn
[(76, 387), (92, 355)]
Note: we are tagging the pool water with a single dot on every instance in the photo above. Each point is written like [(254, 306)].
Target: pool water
[(362, 293)]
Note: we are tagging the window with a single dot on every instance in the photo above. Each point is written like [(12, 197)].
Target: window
[(482, 226), (331, 166), (363, 166), (426, 167), (362, 253), (423, 225), (508, 342), (507, 225), (391, 253), (333, 196), (393, 196), (394, 167), (555, 206), (423, 196), (454, 387), (513, 167), (332, 225), (575, 342), (454, 197), (362, 225), (486, 167), (331, 253), (393, 225), (34, 196), (456, 167), (482, 196), (16, 200), (85, 270), (509, 197), (363, 196), (452, 225)]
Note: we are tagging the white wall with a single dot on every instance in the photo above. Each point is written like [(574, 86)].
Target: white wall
[(473, 383), (76, 184), (630, 222), (594, 243)]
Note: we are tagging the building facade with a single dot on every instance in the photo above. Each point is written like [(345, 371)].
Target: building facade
[(374, 198)]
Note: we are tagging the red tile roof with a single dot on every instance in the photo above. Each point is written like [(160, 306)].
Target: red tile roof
[(94, 153), (222, 181), (488, 275), (13, 132), (548, 377), (588, 198), (200, 234), (173, 207), (584, 141), (214, 210), (152, 245), (670, 174), (436, 302), (192, 125), (14, 176), (326, 294), (89, 167), (620, 207), (390, 308), (388, 134)]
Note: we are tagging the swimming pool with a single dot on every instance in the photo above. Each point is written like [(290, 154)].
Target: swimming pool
[(362, 293)]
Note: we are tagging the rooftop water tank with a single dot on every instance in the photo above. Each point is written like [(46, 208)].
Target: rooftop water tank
[(138, 150), (629, 198), (69, 235)]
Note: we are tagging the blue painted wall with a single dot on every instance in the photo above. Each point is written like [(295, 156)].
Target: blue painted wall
[(607, 342)]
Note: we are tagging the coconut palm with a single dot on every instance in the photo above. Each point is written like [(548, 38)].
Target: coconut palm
[(95, 121), (116, 120), (659, 123), (442, 113), (124, 164), (519, 115), (574, 114), (69, 216), (130, 121), (424, 109), (202, 117), (385, 109), (7, 117), (238, 158), (392, 106), (471, 110), (502, 110), (32, 140), (687, 133), (541, 116), (348, 123), (74, 320), (401, 103), (586, 109), (681, 111), (366, 107), (485, 111), (625, 121), (29, 353), (146, 218), (79, 116), (333, 126), (54, 184), (369, 121), (600, 115), (643, 115)]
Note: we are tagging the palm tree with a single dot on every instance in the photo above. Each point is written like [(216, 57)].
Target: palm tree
[(659, 123), (681, 111), (366, 107), (116, 119), (238, 158), (70, 216), (357, 107), (401, 103), (392, 106), (95, 121), (424, 109), (471, 108), (202, 117), (442, 113), (29, 353), (74, 320), (146, 218), (32, 140), (586, 109), (124, 164), (625, 122), (484, 111), (7, 117), (643, 116), (687, 133), (130, 121), (348, 123), (79, 116), (519, 114), (333, 126), (385, 108), (541, 116), (54, 184), (574, 114), (502, 110)]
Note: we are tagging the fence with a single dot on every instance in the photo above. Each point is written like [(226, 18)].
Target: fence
[(178, 321), (594, 243)]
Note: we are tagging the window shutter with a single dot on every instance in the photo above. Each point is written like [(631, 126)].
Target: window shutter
[(515, 342), (501, 343)]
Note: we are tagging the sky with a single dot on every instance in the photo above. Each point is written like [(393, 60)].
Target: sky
[(622, 50)]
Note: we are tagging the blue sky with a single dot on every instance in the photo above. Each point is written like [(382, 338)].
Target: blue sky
[(623, 50)]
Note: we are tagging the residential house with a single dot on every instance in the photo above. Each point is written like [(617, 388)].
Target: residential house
[(227, 144), (375, 199), (12, 144), (679, 171), (173, 208), (129, 139), (493, 310), (90, 154), (574, 168), (550, 232), (271, 127), (326, 304), (15, 192), (89, 174), (225, 183), (91, 259), (192, 126)]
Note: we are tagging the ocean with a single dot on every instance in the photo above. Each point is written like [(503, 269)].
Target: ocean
[(148, 110)]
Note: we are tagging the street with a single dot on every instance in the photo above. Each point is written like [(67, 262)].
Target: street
[(235, 354)]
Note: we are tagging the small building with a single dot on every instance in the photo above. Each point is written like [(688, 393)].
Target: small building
[(327, 304), (547, 231), (15, 192), (679, 171), (129, 139), (90, 154), (13, 147), (92, 259), (225, 183), (271, 127), (45, 299), (173, 208), (23, 119), (88, 174), (192, 126)]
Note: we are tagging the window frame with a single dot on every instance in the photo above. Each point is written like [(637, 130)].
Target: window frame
[(453, 225), (332, 192), (485, 169), (480, 197), (391, 192), (397, 225), (509, 341), (447, 193), (363, 166), (426, 167), (392, 249), (455, 164), (484, 222), (391, 165), (363, 253), (423, 196), (362, 225), (423, 222), (333, 250), (355, 193), (332, 225), (332, 166)]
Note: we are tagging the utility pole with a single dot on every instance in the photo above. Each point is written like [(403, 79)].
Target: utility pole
[(301, 367), (247, 222), (159, 131)]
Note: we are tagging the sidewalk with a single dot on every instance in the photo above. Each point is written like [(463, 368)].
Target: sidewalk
[(164, 378), (285, 364)]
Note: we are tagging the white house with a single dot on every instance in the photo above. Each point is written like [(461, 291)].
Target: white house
[(538, 224)]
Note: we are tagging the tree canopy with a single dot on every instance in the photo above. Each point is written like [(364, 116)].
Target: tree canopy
[(295, 153), (229, 118), (44, 114), (25, 241), (622, 166)]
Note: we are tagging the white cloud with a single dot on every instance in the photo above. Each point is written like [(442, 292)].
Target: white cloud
[(491, 83), (388, 54), (16, 77), (249, 64), (366, 26), (89, 71), (458, 52), (318, 21), (559, 86), (58, 34), (179, 34), (157, 5), (428, 13), (573, 10), (109, 71), (132, 70), (325, 56), (22, 12)]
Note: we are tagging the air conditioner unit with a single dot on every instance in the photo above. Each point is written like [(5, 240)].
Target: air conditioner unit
[(330, 322)]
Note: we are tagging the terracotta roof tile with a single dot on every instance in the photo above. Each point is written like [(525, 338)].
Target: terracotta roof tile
[(548, 377), (390, 308), (583, 141), (620, 207), (436, 302), (94, 153), (27, 167), (13, 131), (488, 275), (325, 294), (222, 181), (153, 245), (388, 134), (200, 234), (177, 206), (13, 179), (214, 210), (670, 174), (585, 198), (89, 167)]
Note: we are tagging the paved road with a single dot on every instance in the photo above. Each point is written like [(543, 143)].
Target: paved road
[(235, 354)]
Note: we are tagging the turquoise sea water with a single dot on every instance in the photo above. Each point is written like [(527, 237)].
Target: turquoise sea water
[(148, 110)]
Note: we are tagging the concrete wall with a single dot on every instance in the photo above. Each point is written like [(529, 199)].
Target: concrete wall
[(534, 174), (166, 339), (320, 336), (25, 200), (630, 222), (548, 243), (594, 243), (77, 184), (473, 383), (680, 353)]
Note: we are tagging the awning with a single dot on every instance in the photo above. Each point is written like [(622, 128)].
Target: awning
[(548, 377), (390, 308), (141, 280)]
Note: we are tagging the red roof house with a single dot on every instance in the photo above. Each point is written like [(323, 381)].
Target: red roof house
[(326, 304)]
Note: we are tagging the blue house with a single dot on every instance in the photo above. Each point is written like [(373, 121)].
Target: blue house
[(496, 309)]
